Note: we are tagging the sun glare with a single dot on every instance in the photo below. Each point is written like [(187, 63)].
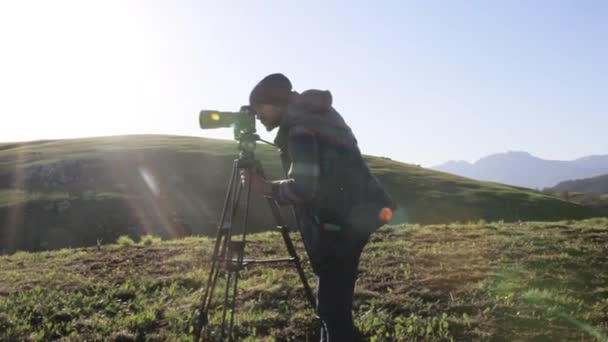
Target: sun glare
[(76, 66)]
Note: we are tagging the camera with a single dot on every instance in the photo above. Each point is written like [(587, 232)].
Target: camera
[(243, 121)]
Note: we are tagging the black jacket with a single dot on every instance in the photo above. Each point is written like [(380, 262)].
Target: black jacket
[(327, 176)]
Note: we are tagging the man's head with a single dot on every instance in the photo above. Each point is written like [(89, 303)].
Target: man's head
[(269, 99)]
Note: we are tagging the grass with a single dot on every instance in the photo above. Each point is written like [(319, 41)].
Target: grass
[(14, 197), (587, 199), (125, 240), (448, 282), (148, 240), (173, 186)]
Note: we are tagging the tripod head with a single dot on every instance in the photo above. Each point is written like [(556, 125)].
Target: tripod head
[(247, 144)]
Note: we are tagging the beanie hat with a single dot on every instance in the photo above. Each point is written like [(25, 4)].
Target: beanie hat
[(272, 89)]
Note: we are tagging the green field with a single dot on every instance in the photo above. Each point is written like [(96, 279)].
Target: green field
[(75, 192), (526, 281)]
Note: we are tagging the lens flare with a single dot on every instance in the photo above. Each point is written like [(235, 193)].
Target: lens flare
[(149, 180), (385, 215)]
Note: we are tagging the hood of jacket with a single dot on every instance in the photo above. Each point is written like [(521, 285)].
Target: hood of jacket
[(313, 110), (310, 108), (313, 100)]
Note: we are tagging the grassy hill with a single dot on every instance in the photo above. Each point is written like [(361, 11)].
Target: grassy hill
[(594, 185), (80, 192), (527, 281), (590, 200)]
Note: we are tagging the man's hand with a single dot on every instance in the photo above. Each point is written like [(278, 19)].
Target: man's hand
[(258, 184)]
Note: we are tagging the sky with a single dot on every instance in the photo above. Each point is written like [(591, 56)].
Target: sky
[(421, 82)]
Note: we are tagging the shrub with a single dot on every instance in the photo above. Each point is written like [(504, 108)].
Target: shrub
[(125, 240), (148, 240)]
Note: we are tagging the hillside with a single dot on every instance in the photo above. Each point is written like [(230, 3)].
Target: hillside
[(523, 169), (599, 202), (594, 185), (526, 281), (81, 192)]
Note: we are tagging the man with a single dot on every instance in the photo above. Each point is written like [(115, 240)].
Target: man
[(338, 202)]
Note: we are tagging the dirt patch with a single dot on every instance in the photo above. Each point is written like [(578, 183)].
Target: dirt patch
[(149, 260)]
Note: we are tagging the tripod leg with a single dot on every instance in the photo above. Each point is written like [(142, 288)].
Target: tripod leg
[(232, 270), (240, 258), (288, 243), (225, 308), (222, 236), (233, 302), (292, 252)]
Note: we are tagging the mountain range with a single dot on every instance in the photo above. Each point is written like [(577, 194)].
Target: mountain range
[(523, 169)]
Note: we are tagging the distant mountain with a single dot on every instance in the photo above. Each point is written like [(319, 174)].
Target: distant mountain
[(523, 169), (590, 162), (597, 185)]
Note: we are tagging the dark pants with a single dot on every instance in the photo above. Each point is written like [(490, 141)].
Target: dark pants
[(335, 259)]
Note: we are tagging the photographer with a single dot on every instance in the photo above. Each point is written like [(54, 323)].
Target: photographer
[(338, 202)]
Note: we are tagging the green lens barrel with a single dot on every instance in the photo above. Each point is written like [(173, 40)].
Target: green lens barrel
[(210, 119)]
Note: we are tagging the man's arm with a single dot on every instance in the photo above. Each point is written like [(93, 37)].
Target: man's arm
[(303, 176)]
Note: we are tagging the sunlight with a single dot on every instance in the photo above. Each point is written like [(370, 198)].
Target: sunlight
[(149, 180), (15, 212), (149, 207), (584, 327), (154, 208), (67, 61), (546, 303)]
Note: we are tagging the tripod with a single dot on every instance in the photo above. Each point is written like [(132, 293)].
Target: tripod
[(229, 254)]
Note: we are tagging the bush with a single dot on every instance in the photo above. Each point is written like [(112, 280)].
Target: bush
[(125, 240), (148, 240)]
